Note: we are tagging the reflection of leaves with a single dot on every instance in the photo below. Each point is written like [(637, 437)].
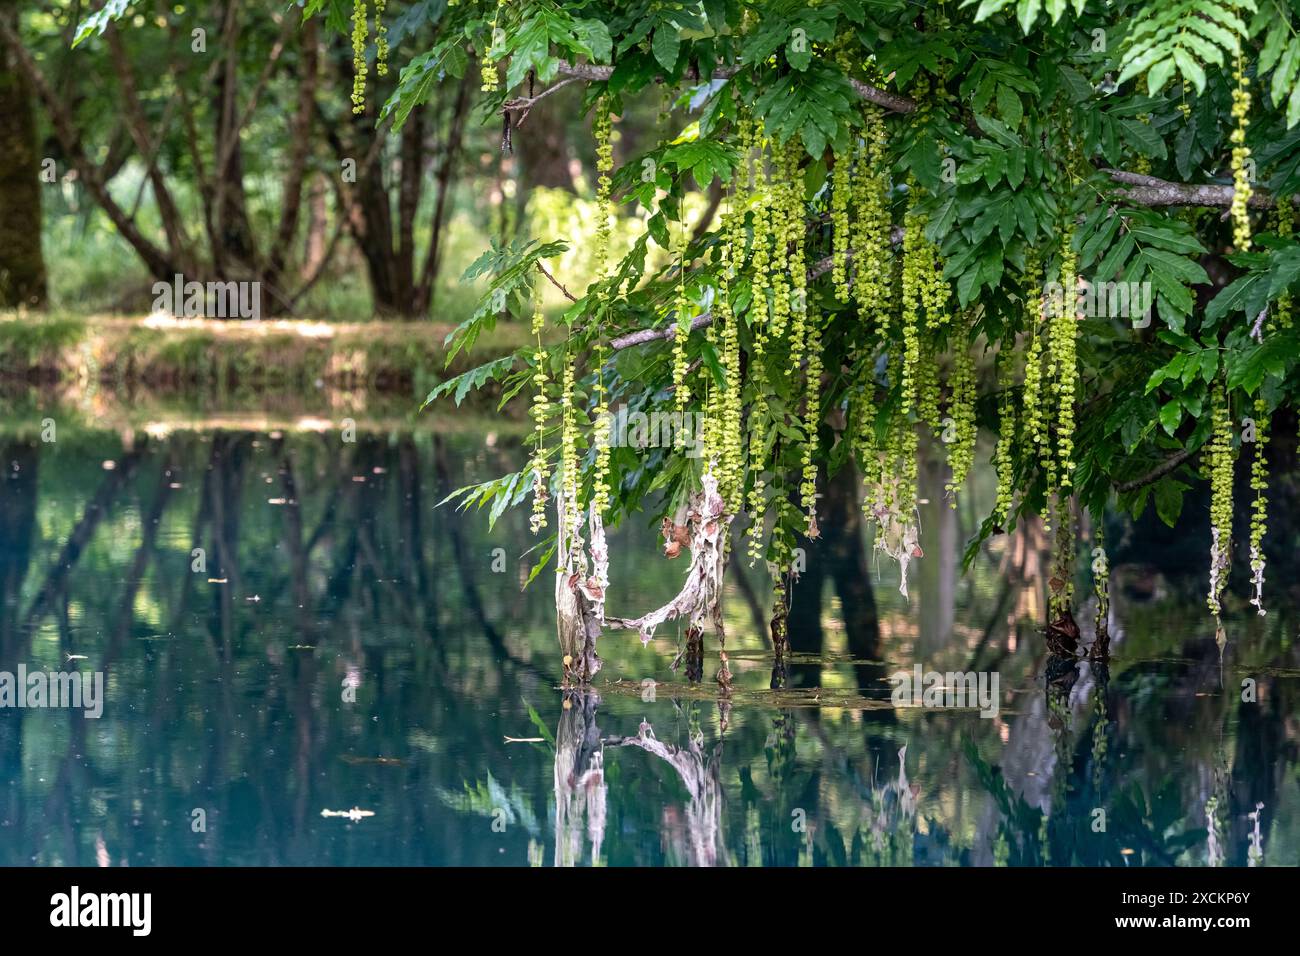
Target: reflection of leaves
[(1149, 831), (485, 798), (1021, 822), (540, 724)]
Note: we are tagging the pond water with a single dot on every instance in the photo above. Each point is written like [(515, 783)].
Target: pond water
[(340, 642)]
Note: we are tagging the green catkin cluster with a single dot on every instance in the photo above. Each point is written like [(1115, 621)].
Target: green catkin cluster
[(760, 271), (1219, 460), (841, 195), (1061, 584), (1284, 212), (924, 309), (811, 423), (1241, 185), (928, 407), (912, 305), (682, 333), (797, 268), (784, 230), (360, 32), (841, 198), (381, 40), (1259, 507), (1101, 578), (872, 255), (541, 410), (569, 453), (862, 432), (961, 409), (1003, 459), (488, 66), (1038, 375), (603, 129), (731, 470), (1063, 343)]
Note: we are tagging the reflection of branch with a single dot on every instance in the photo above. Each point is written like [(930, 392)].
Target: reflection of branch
[(700, 775), (579, 779), (96, 511)]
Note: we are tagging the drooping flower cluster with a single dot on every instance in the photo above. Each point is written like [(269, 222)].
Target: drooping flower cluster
[(961, 409), (1259, 507), (541, 410), (1220, 461), (1242, 187), (360, 33)]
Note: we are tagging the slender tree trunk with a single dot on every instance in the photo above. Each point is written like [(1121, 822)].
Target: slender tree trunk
[(22, 266)]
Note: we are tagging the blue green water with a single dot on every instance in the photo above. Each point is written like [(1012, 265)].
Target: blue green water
[(345, 643)]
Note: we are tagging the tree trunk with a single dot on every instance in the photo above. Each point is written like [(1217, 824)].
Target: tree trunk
[(22, 267)]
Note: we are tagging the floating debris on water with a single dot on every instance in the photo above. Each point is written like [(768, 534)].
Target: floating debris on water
[(382, 761), (354, 814), (525, 740)]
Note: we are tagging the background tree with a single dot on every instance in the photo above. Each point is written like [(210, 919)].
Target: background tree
[(22, 266)]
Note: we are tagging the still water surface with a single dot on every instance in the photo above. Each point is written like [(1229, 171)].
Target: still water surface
[(345, 643)]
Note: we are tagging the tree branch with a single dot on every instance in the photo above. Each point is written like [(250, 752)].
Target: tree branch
[(893, 102), (1150, 191), (158, 262), (705, 319), (1156, 473), (1143, 190)]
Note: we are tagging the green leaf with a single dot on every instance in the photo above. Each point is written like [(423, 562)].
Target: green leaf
[(665, 46)]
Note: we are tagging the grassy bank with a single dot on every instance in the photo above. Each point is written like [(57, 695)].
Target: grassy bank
[(206, 357)]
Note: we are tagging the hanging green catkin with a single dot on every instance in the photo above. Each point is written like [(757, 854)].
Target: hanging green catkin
[(569, 455), (760, 275), (872, 287), (381, 40), (540, 411), (1220, 464), (811, 424), (779, 223), (360, 32), (1063, 345), (1101, 578), (682, 331), (866, 448), (1284, 211), (731, 469), (1003, 458), (1259, 507), (1241, 184), (910, 316), (603, 130), (797, 268), (961, 409), (488, 66)]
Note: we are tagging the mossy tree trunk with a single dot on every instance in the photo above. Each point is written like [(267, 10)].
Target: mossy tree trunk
[(22, 267)]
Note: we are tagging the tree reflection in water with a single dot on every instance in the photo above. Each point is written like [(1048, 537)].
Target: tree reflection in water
[(327, 563)]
